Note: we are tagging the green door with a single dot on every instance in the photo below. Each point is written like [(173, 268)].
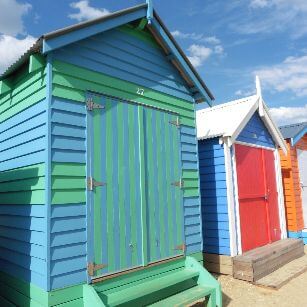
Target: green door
[(136, 209)]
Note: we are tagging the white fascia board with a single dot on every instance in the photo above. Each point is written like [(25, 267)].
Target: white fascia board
[(274, 131)]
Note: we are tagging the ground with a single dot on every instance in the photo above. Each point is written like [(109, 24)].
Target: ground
[(237, 293)]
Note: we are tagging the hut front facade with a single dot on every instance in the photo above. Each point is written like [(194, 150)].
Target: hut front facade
[(294, 172), (100, 202), (240, 181)]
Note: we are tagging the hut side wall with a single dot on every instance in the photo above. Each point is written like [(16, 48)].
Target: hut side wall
[(292, 190), (22, 180), (214, 197), (127, 64)]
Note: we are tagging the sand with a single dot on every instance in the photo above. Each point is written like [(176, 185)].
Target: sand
[(237, 293)]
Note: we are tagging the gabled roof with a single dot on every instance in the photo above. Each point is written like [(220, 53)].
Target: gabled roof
[(57, 39), (294, 131), (229, 119)]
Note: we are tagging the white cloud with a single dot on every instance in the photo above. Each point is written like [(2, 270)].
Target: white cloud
[(259, 3), (12, 48), (289, 115), (197, 37), (270, 16), (245, 93), (11, 14), (86, 11), (218, 49), (198, 54), (290, 75)]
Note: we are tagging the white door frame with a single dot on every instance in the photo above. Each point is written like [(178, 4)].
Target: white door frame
[(302, 199)]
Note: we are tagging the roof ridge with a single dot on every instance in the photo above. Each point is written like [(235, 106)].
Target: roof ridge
[(294, 124)]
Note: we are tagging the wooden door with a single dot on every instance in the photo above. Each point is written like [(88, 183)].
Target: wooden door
[(163, 192), (134, 171), (271, 195), (251, 190), (258, 196), (302, 164)]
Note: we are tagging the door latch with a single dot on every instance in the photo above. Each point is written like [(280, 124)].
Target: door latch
[(179, 183), (92, 268)]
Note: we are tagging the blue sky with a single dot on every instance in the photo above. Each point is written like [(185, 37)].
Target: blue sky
[(229, 42)]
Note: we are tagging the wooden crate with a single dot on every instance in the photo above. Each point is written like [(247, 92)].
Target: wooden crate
[(221, 264)]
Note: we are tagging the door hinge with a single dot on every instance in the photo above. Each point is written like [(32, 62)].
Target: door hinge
[(92, 183), (181, 247), (92, 267), (179, 183), (175, 122), (91, 105)]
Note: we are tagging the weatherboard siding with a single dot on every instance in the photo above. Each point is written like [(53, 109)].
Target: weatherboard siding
[(22, 195), (213, 197), (256, 133), (27, 90), (125, 56)]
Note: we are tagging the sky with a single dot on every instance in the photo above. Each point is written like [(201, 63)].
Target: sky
[(229, 42)]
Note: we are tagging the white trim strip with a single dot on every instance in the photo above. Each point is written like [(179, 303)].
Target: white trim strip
[(236, 207), (230, 202), (281, 204)]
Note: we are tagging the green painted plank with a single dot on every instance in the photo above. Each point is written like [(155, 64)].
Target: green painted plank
[(36, 170), (168, 165), (66, 183), (23, 198), (151, 185), (57, 297), (25, 81), (27, 102), (87, 77), (161, 186), (27, 184), (16, 297), (190, 174), (74, 303), (122, 181), (59, 197), (36, 62), (68, 169), (139, 276), (27, 289), (190, 183), (143, 184), (109, 173), (35, 87), (6, 303), (132, 176), (191, 192)]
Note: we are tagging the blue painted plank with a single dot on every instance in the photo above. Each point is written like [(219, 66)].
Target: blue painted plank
[(216, 225), (71, 143), (221, 250), (67, 224), (68, 210), (69, 237), (217, 233), (58, 155), (23, 210), (68, 251), (68, 118), (215, 217), (191, 201), (64, 280), (21, 222), (67, 130), (71, 264), (68, 105)]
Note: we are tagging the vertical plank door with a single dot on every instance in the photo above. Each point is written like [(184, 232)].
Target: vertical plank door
[(302, 164), (251, 190)]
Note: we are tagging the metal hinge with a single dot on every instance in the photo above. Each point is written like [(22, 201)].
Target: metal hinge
[(91, 105), (175, 122), (179, 183), (92, 183), (181, 247), (91, 268)]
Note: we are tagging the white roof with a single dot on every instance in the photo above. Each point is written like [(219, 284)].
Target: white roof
[(224, 119), (228, 120)]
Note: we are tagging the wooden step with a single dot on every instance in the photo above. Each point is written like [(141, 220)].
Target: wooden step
[(264, 260), (153, 290), (197, 294)]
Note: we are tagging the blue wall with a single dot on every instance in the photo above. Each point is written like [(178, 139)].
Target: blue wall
[(22, 184), (255, 132), (213, 197)]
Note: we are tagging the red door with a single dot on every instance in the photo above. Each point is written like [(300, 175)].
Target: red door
[(257, 191)]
